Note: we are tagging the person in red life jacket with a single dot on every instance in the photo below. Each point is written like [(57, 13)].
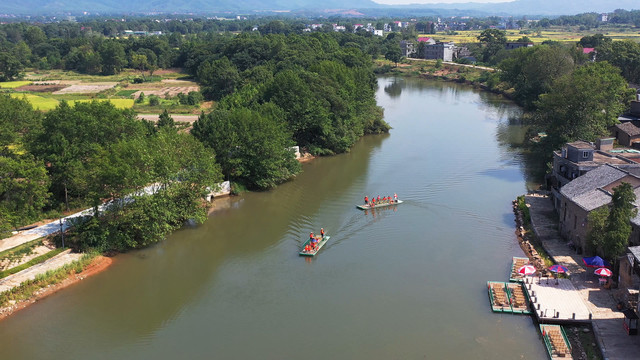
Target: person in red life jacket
[(322, 232), (366, 200), (373, 202), (307, 248), (395, 197), (378, 199)]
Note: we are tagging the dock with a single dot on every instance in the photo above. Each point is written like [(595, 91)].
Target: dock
[(556, 301)]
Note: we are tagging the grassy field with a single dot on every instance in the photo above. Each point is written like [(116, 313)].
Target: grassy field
[(38, 102), (13, 84), (565, 34), (48, 103)]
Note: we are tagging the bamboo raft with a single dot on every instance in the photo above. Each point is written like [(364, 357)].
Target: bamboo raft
[(313, 252), (517, 263), (556, 341), (518, 298), (498, 297), (368, 206)]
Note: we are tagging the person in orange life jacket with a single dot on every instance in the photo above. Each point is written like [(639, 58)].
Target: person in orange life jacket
[(322, 232)]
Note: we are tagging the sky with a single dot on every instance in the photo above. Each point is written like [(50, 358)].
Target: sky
[(404, 2)]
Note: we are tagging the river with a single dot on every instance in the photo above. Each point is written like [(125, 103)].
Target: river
[(407, 282)]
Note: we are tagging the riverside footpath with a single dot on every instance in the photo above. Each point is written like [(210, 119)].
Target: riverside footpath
[(607, 321)]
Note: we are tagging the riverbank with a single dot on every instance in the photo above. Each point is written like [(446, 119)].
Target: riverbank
[(610, 341), (96, 266), (480, 77)]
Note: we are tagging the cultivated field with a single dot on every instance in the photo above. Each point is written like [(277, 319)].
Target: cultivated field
[(46, 89), (565, 34)]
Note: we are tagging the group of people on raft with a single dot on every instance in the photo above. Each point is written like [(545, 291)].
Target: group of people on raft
[(313, 241), (380, 200)]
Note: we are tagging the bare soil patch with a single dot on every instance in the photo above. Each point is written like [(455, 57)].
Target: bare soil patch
[(41, 88), (86, 88), (167, 91), (167, 71), (98, 265)]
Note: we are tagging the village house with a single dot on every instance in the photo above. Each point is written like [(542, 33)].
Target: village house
[(442, 51), (590, 192), (407, 47), (516, 45), (578, 158)]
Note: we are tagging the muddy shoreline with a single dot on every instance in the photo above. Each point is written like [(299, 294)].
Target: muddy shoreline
[(98, 265)]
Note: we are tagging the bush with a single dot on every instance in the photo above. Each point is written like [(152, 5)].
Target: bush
[(140, 98), (154, 100)]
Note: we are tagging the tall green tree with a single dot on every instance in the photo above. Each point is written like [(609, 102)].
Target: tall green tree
[(218, 78), (532, 70), (165, 120), (71, 136), (574, 110), (492, 40), (252, 146), (393, 53), (612, 239), (10, 67)]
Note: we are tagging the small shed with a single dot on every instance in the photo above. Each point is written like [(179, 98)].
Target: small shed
[(627, 134)]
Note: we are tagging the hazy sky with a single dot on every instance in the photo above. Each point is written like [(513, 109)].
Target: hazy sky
[(396, 2)]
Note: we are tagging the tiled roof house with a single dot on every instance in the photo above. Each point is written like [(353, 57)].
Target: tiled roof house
[(589, 192)]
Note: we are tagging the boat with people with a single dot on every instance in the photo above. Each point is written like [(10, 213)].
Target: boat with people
[(378, 202), (311, 247)]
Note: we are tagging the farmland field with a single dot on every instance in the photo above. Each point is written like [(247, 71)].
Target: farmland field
[(13, 84), (538, 36), (45, 104)]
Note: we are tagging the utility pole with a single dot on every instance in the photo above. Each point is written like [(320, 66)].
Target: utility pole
[(62, 233)]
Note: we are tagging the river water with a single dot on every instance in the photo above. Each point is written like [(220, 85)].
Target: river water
[(407, 282)]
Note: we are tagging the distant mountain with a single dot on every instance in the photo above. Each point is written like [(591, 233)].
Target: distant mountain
[(554, 7), (169, 6), (517, 7)]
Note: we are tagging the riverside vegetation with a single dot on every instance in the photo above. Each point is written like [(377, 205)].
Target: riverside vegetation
[(271, 92)]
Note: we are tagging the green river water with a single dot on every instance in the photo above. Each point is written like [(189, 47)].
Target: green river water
[(400, 283)]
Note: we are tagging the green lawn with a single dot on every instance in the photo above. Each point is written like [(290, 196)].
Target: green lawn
[(126, 93)]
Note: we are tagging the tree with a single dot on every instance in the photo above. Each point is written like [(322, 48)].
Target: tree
[(253, 147), (140, 62), (493, 40), (113, 57), (532, 70), (10, 67), (69, 139), (592, 41), (394, 53), (23, 189), (218, 78), (165, 120), (611, 236), (623, 54), (572, 110)]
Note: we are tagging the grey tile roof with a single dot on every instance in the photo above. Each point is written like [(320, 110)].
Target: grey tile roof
[(582, 188), (629, 129), (635, 250)]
